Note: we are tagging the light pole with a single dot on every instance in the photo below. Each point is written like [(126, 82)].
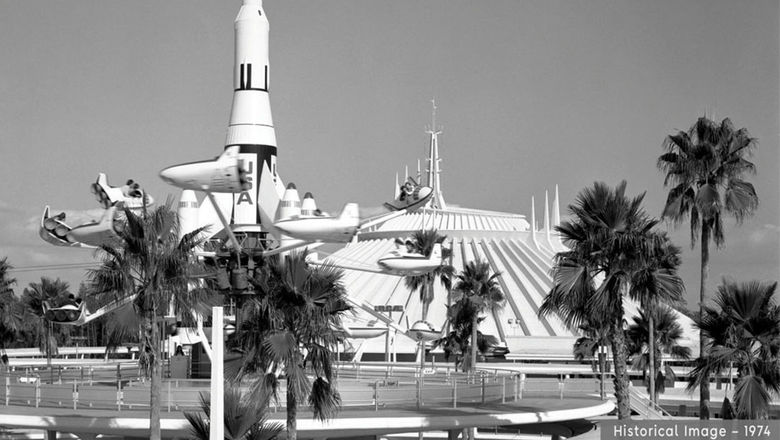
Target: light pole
[(217, 417), (389, 309)]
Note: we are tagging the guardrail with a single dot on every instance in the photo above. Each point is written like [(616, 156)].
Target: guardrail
[(449, 389), (646, 407)]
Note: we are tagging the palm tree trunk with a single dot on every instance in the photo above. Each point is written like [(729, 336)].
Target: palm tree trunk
[(427, 297), (704, 388), (651, 350), (47, 347), (154, 399), (292, 414), (621, 373), (474, 342), (602, 370)]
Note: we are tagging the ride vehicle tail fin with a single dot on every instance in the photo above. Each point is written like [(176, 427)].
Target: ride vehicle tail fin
[(350, 212), (436, 252)]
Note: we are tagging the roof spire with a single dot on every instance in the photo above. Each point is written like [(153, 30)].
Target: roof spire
[(546, 216), (533, 222), (434, 171)]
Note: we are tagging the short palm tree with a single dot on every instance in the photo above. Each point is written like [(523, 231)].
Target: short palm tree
[(148, 267), (665, 333), (705, 168), (457, 342), (743, 333), (245, 418), (292, 328), (477, 291), (595, 337), (6, 281), (54, 292), (656, 280), (607, 236), (423, 242)]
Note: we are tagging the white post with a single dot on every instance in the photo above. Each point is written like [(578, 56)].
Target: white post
[(75, 394), (455, 392), (217, 416)]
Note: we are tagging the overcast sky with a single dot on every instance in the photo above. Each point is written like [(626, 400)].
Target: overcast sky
[(530, 94)]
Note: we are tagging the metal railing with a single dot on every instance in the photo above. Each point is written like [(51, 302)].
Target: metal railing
[(369, 387), (646, 407)]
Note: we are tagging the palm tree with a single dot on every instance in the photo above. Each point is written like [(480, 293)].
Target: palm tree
[(654, 280), (457, 342), (607, 237), (150, 265), (55, 293), (423, 242), (657, 330), (5, 280), (292, 327), (10, 320), (245, 418), (743, 332), (595, 336), (705, 168), (477, 291)]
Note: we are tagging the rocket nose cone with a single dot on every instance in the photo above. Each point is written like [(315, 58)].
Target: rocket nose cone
[(291, 186), (308, 195)]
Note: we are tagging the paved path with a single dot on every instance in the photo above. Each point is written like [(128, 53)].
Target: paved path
[(350, 422)]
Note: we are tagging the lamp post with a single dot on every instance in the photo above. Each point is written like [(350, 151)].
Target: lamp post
[(217, 416), (389, 309)]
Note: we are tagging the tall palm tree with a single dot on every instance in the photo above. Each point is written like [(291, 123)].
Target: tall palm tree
[(742, 332), (655, 330), (10, 319), (705, 169), (477, 290), (607, 238), (423, 242), (656, 280), (55, 293), (292, 327), (245, 418), (149, 264)]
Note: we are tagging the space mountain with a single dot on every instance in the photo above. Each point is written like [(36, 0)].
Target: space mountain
[(514, 247)]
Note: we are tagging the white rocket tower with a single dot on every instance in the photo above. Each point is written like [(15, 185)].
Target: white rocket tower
[(250, 126)]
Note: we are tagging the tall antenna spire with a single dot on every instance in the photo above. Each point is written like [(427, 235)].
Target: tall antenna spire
[(556, 208), (434, 171)]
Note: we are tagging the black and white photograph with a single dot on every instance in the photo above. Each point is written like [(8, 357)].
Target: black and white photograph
[(367, 219)]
